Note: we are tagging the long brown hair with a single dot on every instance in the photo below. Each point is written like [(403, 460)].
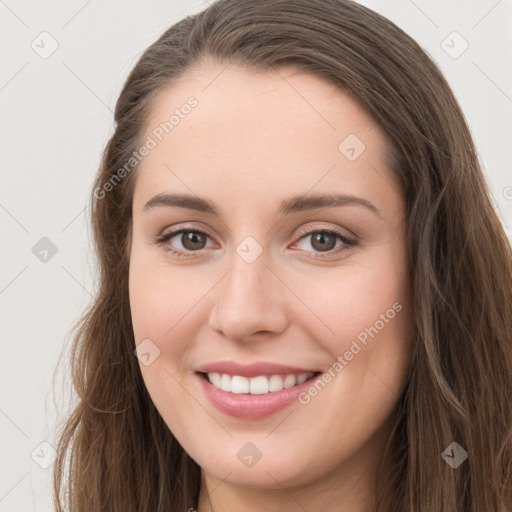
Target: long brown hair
[(116, 454)]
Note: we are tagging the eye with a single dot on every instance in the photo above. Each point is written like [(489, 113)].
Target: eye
[(324, 240), (193, 240)]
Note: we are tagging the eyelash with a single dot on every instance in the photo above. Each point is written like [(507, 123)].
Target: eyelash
[(348, 243)]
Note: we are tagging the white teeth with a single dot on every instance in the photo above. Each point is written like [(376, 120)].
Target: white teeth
[(215, 379), (275, 383), (256, 385), (239, 384), (302, 378), (225, 383), (289, 381)]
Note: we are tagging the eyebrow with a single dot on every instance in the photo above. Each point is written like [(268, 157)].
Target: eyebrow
[(293, 204)]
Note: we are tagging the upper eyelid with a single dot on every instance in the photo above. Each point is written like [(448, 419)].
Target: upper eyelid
[(311, 229), (185, 227), (178, 228), (195, 229)]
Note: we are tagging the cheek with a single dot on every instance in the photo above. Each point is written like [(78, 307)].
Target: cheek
[(344, 304), (159, 295), (362, 319), (162, 310)]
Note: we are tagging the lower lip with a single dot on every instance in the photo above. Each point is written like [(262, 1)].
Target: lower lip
[(247, 406)]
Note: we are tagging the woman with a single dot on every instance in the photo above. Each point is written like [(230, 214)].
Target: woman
[(296, 241)]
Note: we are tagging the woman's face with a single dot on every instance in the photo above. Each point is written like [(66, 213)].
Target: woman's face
[(259, 165)]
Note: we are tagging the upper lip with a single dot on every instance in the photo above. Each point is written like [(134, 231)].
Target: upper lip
[(252, 370)]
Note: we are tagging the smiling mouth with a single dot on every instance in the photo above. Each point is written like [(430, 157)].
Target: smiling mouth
[(260, 385)]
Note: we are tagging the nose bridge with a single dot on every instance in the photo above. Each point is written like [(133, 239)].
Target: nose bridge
[(248, 299), (247, 280)]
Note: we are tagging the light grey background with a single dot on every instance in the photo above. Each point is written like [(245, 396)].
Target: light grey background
[(56, 118)]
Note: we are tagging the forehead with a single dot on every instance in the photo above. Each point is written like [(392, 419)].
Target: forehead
[(287, 97), (247, 132)]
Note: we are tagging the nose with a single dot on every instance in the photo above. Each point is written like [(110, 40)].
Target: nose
[(250, 300)]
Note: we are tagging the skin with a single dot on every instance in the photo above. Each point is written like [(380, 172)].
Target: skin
[(253, 140)]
